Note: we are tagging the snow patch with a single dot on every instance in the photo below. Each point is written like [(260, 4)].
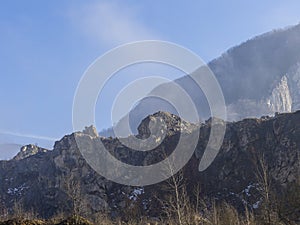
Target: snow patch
[(256, 204), (135, 193), (248, 188), (17, 190)]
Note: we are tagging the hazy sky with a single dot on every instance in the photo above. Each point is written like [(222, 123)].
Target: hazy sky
[(45, 47)]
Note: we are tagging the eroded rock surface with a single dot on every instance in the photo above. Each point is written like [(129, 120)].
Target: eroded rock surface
[(52, 181)]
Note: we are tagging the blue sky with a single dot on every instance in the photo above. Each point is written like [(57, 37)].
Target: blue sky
[(45, 47)]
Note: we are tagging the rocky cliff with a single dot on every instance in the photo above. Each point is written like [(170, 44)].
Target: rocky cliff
[(60, 180)]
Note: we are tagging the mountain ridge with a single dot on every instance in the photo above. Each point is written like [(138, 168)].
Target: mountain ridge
[(42, 181)]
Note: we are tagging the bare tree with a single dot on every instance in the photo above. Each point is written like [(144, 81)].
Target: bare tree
[(264, 181), (73, 190), (177, 205)]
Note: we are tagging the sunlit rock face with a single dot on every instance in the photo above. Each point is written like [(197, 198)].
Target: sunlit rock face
[(280, 99), (261, 76), (284, 98), (29, 150)]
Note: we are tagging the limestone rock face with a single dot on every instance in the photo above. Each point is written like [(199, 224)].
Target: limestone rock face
[(91, 131), (29, 150), (52, 181), (167, 122), (281, 99)]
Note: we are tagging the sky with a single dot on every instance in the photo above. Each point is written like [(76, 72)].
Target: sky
[(46, 46)]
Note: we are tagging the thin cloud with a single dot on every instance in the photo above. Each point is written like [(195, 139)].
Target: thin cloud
[(110, 23), (28, 135)]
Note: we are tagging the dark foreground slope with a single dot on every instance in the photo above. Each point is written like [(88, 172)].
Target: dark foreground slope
[(49, 183)]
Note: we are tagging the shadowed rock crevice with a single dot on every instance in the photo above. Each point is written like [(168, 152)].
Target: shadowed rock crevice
[(52, 181)]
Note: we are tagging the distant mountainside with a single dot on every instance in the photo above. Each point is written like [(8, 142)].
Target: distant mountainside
[(263, 73), (258, 77), (52, 182)]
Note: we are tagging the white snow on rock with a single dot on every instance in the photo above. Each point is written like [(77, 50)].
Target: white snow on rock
[(17, 190), (135, 193), (256, 204)]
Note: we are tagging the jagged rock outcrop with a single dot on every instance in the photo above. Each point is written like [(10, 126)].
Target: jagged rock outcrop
[(281, 100), (164, 121), (29, 150), (52, 181)]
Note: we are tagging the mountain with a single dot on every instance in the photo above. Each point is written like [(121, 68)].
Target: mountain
[(263, 72), (29, 150), (60, 180), (258, 77), (10, 143)]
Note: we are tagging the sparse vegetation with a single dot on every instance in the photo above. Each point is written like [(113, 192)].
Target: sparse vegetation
[(215, 214), (180, 208), (237, 189)]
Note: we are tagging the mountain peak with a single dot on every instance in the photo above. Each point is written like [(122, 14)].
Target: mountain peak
[(164, 121), (91, 130), (29, 150)]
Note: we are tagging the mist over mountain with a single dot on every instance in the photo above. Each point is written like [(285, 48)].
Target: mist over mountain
[(258, 77), (261, 76)]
